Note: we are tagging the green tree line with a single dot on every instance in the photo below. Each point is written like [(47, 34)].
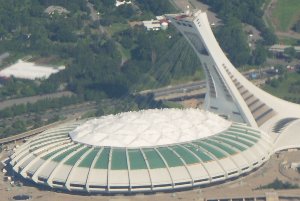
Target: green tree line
[(231, 35)]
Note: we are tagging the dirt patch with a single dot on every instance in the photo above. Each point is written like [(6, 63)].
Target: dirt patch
[(192, 103)]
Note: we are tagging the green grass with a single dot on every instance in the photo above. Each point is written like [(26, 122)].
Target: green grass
[(171, 104), (198, 75), (286, 13), (117, 27), (288, 41), (282, 91), (124, 52)]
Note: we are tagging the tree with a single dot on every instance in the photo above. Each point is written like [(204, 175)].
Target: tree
[(125, 11), (277, 184), (157, 7), (290, 52), (246, 11), (234, 41), (259, 55), (296, 27)]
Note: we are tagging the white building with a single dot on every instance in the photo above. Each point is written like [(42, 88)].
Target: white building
[(159, 23), (58, 9), (152, 25), (29, 70), (122, 2)]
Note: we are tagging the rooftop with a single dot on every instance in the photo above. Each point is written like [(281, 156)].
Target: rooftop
[(149, 128), (59, 9), (28, 70)]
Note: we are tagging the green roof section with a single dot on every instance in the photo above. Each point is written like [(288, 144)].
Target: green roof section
[(102, 161), (119, 159), (220, 145), (136, 159), (169, 156), (61, 156), (187, 156), (210, 149), (49, 155), (153, 159), (237, 139), (88, 160), (203, 156), (76, 156), (232, 144)]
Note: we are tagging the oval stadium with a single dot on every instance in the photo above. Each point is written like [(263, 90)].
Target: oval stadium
[(148, 151), (151, 150)]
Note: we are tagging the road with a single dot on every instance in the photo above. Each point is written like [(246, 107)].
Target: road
[(192, 89), (33, 99), (268, 12), (95, 16), (289, 34), (281, 48), (3, 56), (177, 88)]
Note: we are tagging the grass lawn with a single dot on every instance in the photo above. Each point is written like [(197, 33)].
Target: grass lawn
[(282, 91), (286, 13), (199, 75), (117, 27), (124, 52), (172, 104), (288, 41)]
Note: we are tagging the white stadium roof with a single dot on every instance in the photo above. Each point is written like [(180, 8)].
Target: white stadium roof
[(149, 128)]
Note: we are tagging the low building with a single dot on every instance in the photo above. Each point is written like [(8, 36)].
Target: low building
[(159, 23), (122, 2), (28, 70), (277, 48), (152, 25), (56, 9)]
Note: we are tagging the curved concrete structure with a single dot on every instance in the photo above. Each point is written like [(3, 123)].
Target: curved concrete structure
[(214, 154), (229, 93), (162, 150)]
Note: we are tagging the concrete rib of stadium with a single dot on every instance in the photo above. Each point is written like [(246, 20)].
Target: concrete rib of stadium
[(178, 149)]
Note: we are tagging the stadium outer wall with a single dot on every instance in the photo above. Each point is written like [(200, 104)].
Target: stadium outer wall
[(54, 159)]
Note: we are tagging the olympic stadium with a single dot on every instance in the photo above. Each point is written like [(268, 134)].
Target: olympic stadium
[(238, 130)]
